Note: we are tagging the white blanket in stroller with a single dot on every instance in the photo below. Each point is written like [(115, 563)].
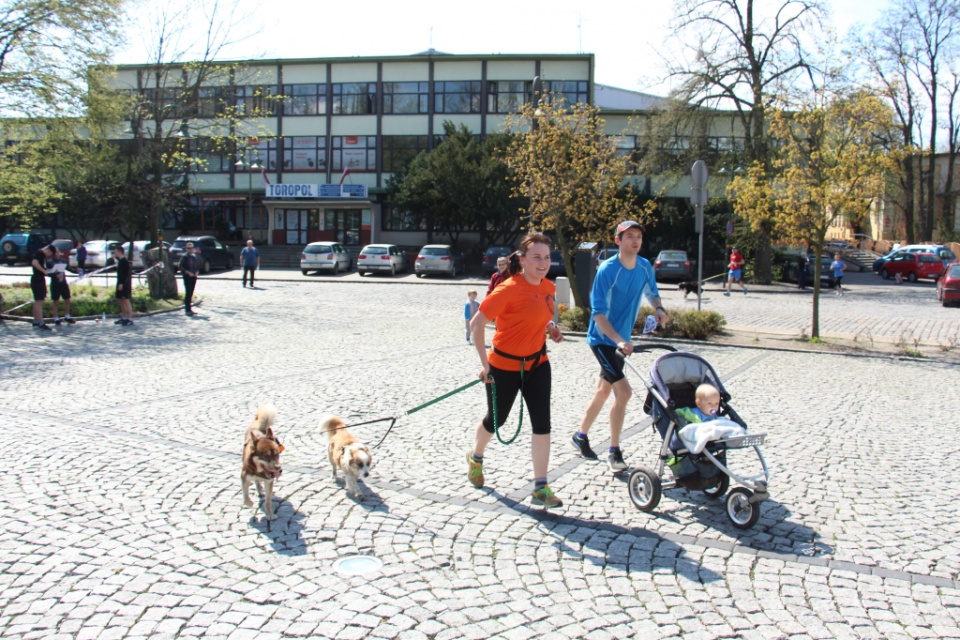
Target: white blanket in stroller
[(696, 436)]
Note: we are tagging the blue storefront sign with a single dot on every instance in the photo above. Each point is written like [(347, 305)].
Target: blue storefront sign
[(316, 191)]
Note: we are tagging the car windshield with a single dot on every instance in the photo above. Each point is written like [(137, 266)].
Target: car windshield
[(180, 244), (318, 248), (499, 251), (19, 238), (435, 251), (375, 251), (96, 244), (954, 271), (673, 255), (946, 254)]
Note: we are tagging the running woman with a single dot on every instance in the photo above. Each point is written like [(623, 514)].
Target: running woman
[(523, 307)]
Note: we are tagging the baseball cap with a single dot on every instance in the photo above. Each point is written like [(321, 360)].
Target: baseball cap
[(628, 224)]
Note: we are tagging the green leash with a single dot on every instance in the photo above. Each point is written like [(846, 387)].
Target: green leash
[(493, 393)]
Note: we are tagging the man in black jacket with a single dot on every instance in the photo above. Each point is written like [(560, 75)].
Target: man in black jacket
[(124, 287), (189, 266)]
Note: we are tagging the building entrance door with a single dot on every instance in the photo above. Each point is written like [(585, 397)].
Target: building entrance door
[(296, 226), (346, 224)]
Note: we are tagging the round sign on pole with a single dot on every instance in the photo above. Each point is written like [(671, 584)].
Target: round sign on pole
[(699, 174)]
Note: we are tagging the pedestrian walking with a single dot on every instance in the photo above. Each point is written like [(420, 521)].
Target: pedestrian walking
[(124, 287), (38, 285), (523, 307), (621, 282), (838, 266), (250, 258), (470, 308), (59, 288), (500, 275), (189, 267), (81, 258), (802, 265), (735, 274)]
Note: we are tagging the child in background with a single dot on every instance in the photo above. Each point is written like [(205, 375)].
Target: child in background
[(838, 266), (470, 308)]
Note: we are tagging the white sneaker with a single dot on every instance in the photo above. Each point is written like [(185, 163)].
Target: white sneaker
[(726, 293)]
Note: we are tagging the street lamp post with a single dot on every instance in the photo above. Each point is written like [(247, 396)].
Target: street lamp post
[(251, 167), (535, 124)]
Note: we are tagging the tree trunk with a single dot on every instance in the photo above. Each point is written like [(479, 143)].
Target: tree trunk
[(815, 320), (909, 199), (162, 282)]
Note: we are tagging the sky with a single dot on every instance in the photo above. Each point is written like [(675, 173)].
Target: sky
[(627, 36)]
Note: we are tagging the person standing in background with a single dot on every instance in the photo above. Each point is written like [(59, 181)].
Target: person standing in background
[(250, 258), (189, 266)]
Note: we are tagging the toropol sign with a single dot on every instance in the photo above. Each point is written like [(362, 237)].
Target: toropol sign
[(316, 190)]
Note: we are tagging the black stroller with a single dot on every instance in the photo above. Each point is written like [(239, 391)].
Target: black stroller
[(672, 385)]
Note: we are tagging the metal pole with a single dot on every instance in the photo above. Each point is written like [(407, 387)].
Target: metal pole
[(700, 260)]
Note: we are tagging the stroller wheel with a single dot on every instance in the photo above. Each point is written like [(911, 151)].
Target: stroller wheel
[(717, 491), (645, 489), (741, 512)]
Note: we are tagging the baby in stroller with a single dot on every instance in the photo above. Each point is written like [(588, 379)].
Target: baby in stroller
[(690, 410)]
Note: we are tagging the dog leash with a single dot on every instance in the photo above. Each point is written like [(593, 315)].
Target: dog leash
[(393, 419)]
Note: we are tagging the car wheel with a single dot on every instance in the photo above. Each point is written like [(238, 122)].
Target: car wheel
[(884, 274), (303, 271), (206, 266), (912, 277), (8, 247), (336, 267)]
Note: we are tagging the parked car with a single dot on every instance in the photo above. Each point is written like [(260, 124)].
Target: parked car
[(139, 246), (944, 253), (912, 266), (673, 264), (325, 256), (826, 273), (606, 254), (557, 268), (438, 258), (948, 286), (381, 258), (212, 252), (20, 247), (494, 251), (99, 255), (63, 245)]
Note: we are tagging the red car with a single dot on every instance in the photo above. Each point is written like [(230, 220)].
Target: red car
[(912, 266), (948, 287)]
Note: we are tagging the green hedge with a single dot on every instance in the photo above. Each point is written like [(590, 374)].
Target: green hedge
[(85, 300), (684, 323)]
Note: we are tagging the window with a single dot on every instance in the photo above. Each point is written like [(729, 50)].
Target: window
[(304, 99), (357, 153), (208, 156), (355, 98), (406, 97), (398, 151), (257, 101), (456, 97), (571, 91), (345, 224), (507, 97), (305, 153), (262, 149), (210, 102)]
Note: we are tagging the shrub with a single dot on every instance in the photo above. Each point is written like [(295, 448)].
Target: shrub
[(85, 300), (575, 319), (686, 323)]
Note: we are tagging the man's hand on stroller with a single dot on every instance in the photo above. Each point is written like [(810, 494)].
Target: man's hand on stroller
[(625, 347)]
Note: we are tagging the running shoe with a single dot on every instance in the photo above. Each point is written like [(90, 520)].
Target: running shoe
[(744, 291), (583, 446), (726, 293), (544, 497), (615, 460), (474, 471), (57, 321), (70, 321), (43, 327)]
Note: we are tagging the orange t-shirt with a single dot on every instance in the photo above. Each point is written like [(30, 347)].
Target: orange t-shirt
[(522, 311)]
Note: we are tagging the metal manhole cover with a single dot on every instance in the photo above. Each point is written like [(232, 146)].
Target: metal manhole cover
[(357, 565)]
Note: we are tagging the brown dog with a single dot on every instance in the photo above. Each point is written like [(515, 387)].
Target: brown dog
[(347, 454), (261, 458)]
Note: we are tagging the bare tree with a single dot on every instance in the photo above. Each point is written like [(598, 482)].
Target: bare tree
[(909, 53), (743, 55)]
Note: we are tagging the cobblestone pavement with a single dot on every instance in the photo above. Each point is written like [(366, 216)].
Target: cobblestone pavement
[(121, 514)]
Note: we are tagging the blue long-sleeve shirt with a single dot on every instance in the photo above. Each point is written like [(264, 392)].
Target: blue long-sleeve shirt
[(470, 308)]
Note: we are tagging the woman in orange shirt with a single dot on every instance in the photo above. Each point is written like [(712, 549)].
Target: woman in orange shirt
[(523, 309)]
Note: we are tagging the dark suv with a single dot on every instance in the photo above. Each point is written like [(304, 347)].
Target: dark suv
[(494, 251), (212, 252), (20, 247)]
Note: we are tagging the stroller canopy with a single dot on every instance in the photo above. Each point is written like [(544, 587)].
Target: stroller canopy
[(681, 369)]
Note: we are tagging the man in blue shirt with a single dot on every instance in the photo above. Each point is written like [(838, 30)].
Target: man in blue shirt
[(250, 258), (615, 299)]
